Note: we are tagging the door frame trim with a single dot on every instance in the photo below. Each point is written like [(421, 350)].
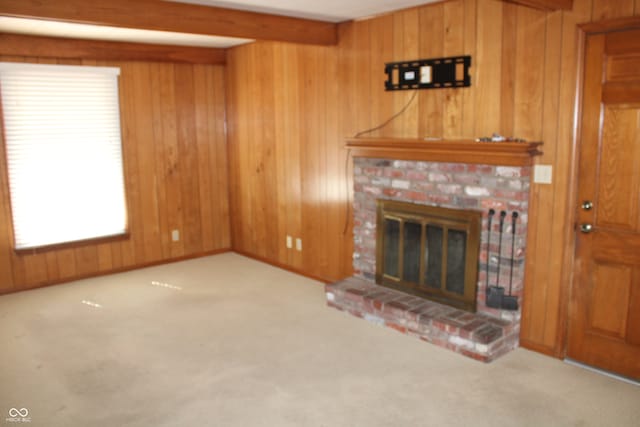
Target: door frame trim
[(584, 30), (609, 25)]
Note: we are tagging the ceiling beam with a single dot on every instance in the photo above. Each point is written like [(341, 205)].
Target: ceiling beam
[(53, 47), (175, 17), (548, 5)]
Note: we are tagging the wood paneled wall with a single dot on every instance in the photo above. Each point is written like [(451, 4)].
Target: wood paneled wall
[(551, 232), (292, 107), (174, 148), (287, 157)]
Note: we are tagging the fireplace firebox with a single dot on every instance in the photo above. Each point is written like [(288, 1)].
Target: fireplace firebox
[(429, 251)]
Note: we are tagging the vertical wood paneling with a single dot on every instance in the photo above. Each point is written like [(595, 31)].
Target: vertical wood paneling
[(162, 167), (6, 233), (339, 246), (343, 166), (172, 120), (133, 246), (362, 83), (562, 227), (142, 127), (380, 53), (86, 261), (470, 48), (287, 132), (544, 312), (290, 106), (258, 156), (454, 13), (233, 80), (188, 151), (311, 158), (488, 71), (35, 268), (66, 265), (539, 232), (529, 73), (52, 266), (347, 77), (266, 216), (172, 169), (509, 66), (431, 45), (282, 140), (294, 152), (255, 165), (6, 261), (610, 9), (409, 30), (219, 194), (204, 153), (105, 259), (523, 84), (399, 126)]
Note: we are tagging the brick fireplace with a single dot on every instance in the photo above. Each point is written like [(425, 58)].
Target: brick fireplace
[(468, 185)]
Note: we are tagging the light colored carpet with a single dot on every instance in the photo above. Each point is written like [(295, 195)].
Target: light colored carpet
[(246, 344)]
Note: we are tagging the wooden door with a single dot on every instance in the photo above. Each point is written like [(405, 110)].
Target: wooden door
[(604, 312)]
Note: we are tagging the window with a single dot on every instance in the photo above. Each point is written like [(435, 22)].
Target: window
[(64, 153)]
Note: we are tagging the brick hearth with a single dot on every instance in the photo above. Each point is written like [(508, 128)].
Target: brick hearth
[(477, 335), (484, 335)]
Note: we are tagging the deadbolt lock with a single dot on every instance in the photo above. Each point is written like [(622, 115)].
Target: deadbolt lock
[(587, 205)]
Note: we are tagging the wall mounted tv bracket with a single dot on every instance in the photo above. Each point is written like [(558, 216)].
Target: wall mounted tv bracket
[(438, 73)]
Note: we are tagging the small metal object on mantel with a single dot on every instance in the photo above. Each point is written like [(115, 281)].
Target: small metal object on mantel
[(499, 138)]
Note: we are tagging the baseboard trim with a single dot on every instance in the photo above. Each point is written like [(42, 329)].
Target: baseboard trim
[(117, 270), (324, 280)]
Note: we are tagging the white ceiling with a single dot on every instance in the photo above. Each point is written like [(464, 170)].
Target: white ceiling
[(323, 10), (35, 27)]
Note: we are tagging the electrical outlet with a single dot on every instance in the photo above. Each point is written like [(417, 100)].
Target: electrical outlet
[(542, 174), (299, 244), (289, 242), (175, 235)]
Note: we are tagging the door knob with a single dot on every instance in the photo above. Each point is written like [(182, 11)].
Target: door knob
[(587, 205), (586, 228)]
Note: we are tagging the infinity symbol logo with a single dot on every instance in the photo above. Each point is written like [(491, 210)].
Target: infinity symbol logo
[(22, 412)]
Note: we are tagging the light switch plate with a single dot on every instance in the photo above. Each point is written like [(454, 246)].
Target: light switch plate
[(542, 174)]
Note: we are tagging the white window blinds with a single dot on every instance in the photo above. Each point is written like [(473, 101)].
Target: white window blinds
[(64, 153)]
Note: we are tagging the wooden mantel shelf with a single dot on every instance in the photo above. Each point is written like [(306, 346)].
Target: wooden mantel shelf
[(451, 151)]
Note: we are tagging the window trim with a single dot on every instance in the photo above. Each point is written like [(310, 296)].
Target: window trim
[(76, 244), (6, 190)]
